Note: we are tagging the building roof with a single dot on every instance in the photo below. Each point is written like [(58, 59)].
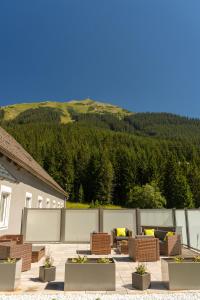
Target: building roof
[(14, 151)]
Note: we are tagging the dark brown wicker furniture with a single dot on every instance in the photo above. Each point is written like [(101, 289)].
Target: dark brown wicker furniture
[(37, 253), (122, 247), (116, 239), (14, 250), (19, 238), (100, 243), (144, 249), (169, 246)]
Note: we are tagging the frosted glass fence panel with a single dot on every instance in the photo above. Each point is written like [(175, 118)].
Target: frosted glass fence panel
[(42, 225), (156, 217), (181, 221), (119, 218), (194, 228), (78, 224)]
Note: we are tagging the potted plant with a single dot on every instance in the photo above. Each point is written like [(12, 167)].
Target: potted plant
[(47, 271), (141, 279), (10, 273), (89, 274), (180, 273)]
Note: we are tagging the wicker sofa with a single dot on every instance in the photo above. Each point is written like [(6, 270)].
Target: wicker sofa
[(12, 246), (169, 245), (144, 249), (116, 239)]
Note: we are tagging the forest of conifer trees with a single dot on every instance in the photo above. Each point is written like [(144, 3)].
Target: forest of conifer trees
[(142, 160)]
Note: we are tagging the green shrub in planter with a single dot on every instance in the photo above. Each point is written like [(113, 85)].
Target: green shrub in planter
[(47, 272), (141, 279)]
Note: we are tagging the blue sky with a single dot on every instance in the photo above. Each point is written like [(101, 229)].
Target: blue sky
[(143, 55)]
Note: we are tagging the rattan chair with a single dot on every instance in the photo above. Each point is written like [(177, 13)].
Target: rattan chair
[(100, 243), (13, 249), (144, 249), (117, 239), (171, 246), (19, 238)]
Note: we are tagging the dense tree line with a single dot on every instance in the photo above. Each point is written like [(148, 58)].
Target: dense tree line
[(103, 158)]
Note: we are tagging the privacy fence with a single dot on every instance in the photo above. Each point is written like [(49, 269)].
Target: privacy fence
[(75, 225)]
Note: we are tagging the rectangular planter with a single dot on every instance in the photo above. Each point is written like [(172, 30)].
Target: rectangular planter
[(47, 274), (90, 276), (10, 275), (181, 276), (141, 282)]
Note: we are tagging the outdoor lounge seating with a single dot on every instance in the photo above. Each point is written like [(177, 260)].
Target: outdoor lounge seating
[(19, 238), (144, 249), (13, 249), (116, 239), (100, 243), (169, 245)]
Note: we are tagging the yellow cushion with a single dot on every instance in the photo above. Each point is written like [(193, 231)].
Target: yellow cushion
[(121, 231), (169, 233), (150, 232)]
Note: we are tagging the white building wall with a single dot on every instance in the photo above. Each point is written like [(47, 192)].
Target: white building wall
[(26, 185)]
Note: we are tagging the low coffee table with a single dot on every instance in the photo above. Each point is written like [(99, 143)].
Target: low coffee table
[(122, 247), (37, 253), (100, 243)]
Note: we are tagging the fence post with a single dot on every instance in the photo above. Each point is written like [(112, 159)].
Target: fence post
[(138, 221), (24, 222), (174, 216), (187, 227), (101, 219), (62, 225)]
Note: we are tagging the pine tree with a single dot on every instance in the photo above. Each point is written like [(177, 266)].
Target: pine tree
[(176, 188), (81, 194)]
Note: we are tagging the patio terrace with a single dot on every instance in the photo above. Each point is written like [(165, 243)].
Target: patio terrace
[(30, 283)]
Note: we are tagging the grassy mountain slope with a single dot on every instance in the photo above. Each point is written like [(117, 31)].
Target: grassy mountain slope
[(65, 109)]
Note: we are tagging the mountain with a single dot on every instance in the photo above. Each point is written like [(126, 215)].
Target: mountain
[(97, 114), (101, 152)]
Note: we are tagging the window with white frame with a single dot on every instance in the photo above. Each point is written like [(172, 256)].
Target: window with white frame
[(48, 203), (28, 200), (5, 198), (40, 202)]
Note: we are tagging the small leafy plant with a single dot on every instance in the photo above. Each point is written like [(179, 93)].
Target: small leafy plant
[(104, 260), (80, 259), (10, 260), (141, 269), (196, 258), (178, 259), (48, 262)]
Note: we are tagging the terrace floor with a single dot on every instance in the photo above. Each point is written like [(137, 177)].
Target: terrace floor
[(30, 283)]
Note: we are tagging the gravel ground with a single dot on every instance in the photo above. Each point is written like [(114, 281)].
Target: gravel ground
[(170, 296)]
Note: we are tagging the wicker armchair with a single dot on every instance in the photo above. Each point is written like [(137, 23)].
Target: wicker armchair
[(171, 246), (19, 238), (116, 239), (15, 248), (144, 249), (100, 243)]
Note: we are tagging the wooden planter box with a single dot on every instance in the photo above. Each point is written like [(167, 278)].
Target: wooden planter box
[(90, 276), (10, 275), (181, 276), (141, 282), (47, 274)]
